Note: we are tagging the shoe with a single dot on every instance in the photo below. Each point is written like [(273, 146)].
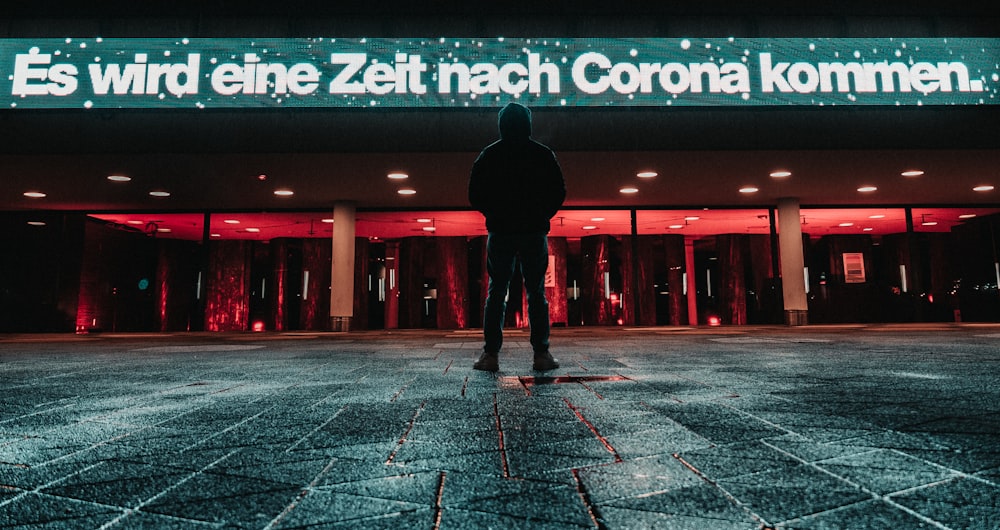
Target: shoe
[(488, 362), (544, 362)]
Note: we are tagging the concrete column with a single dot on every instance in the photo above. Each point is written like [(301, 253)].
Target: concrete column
[(692, 284), (342, 267), (793, 282)]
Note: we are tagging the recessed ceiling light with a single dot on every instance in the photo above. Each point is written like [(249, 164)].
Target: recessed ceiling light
[(215, 235), (867, 189), (929, 223), (34, 194), (912, 173), (675, 227), (253, 230), (877, 216), (781, 173), (590, 227), (985, 187), (646, 174), (284, 193), (597, 219), (407, 191), (845, 225), (119, 178), (967, 216), (36, 223), (159, 193), (749, 189), (423, 220), (692, 218), (326, 220), (430, 229), (232, 221), (868, 229), (134, 222), (629, 189), (164, 230), (398, 176)]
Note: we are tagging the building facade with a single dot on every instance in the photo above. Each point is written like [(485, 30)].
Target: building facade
[(305, 168)]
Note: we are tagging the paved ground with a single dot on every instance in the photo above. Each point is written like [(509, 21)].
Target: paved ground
[(845, 427)]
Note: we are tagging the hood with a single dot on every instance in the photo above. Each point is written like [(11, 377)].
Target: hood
[(514, 122)]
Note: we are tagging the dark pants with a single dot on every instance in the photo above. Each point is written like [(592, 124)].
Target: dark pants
[(502, 251)]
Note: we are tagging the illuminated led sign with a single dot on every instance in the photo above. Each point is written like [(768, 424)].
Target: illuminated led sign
[(439, 73)]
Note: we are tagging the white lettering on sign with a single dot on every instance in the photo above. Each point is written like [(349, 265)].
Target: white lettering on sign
[(403, 76), (594, 73), (488, 78), (140, 77), (254, 77), (858, 77), (56, 80), (547, 73)]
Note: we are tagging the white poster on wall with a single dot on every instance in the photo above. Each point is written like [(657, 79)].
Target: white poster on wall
[(550, 273), (854, 267)]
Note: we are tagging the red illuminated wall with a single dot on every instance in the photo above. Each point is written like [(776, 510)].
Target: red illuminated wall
[(732, 278), (411, 278), (452, 280), (673, 246), (638, 288), (176, 283), (361, 291), (315, 311), (228, 298), (597, 307), (558, 310)]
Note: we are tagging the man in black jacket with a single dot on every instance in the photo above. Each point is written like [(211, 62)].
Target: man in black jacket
[(518, 186)]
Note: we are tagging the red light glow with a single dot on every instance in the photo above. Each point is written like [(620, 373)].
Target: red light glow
[(258, 326), (714, 321)]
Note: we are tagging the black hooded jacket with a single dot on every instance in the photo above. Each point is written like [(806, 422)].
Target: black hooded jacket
[(516, 182)]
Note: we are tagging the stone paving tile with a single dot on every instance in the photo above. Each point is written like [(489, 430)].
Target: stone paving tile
[(116, 483), (321, 507), (638, 478), (958, 503), (738, 428), (779, 495), (627, 519), (35, 509), (703, 501), (871, 515), (885, 471), (230, 500), (734, 460), (464, 518)]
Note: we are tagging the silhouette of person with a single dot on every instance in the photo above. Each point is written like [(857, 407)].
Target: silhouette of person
[(518, 186)]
